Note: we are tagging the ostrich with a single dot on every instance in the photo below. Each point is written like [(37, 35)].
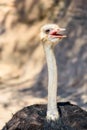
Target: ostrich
[(50, 35), (53, 116)]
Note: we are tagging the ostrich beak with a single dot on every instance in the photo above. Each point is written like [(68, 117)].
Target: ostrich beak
[(58, 33)]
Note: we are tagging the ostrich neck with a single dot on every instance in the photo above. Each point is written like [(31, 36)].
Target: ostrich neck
[(52, 80)]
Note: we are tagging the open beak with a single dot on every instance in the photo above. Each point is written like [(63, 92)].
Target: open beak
[(58, 33)]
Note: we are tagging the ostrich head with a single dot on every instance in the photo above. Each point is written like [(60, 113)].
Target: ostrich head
[(51, 33)]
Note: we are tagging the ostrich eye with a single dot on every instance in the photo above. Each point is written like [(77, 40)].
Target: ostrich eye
[(47, 31)]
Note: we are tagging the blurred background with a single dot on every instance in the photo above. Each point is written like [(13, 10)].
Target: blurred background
[(23, 69)]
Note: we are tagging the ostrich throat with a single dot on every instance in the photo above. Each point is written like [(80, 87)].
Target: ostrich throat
[(52, 112)]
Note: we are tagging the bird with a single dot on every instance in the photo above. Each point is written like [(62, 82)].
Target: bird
[(53, 115), (50, 35)]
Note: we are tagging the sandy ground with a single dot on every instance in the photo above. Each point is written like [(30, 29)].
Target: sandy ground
[(13, 93)]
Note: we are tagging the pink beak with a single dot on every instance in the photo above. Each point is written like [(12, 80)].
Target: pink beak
[(58, 33)]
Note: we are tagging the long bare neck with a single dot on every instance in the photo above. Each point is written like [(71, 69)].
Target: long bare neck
[(52, 112)]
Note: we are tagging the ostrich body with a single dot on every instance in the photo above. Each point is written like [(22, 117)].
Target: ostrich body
[(53, 116)]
